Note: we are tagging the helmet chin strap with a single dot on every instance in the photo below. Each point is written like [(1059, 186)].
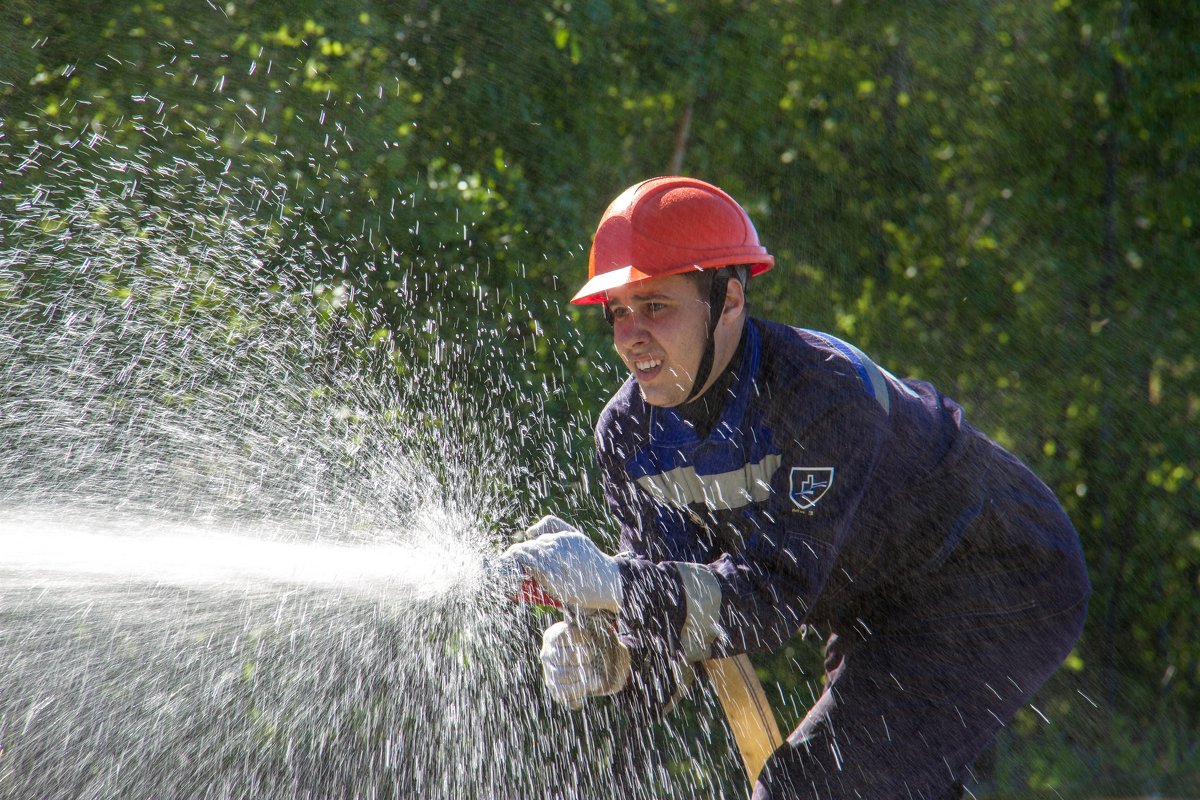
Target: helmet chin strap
[(718, 282)]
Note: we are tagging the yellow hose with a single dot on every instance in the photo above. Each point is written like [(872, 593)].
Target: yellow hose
[(746, 707)]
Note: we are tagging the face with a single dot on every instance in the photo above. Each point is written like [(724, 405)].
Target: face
[(660, 329)]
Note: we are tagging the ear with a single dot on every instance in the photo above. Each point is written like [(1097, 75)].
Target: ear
[(735, 303)]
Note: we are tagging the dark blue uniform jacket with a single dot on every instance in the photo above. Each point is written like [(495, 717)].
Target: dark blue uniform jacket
[(828, 493)]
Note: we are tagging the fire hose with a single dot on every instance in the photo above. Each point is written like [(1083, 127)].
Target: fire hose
[(735, 683)]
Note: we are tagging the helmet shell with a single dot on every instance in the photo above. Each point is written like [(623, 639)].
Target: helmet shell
[(665, 226)]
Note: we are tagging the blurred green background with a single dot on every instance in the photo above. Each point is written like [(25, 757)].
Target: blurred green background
[(1000, 197)]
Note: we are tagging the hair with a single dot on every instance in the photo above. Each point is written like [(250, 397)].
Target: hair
[(704, 279)]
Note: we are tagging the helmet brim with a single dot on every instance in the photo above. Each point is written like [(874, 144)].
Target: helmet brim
[(597, 289)]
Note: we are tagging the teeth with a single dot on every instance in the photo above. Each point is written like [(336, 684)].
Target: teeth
[(649, 363)]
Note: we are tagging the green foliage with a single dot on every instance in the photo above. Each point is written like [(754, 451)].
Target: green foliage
[(999, 197)]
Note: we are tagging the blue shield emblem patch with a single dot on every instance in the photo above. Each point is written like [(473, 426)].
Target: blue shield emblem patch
[(808, 485)]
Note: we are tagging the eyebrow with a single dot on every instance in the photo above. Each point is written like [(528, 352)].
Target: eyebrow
[(641, 298)]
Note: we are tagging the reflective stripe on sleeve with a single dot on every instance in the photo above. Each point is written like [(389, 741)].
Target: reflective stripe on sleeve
[(721, 492)]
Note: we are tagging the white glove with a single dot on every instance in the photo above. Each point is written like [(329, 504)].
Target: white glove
[(702, 625), (569, 566), (583, 658), (548, 524)]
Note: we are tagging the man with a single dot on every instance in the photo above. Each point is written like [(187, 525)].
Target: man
[(767, 477)]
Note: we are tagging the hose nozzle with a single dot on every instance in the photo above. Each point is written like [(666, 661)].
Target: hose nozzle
[(516, 584)]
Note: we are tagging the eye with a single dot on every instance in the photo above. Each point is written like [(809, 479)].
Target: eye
[(653, 309), (612, 312)]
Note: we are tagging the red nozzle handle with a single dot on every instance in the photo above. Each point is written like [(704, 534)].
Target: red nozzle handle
[(533, 594)]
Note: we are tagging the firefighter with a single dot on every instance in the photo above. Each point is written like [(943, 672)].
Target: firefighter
[(767, 477)]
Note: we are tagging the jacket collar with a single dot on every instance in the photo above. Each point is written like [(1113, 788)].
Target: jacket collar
[(668, 428)]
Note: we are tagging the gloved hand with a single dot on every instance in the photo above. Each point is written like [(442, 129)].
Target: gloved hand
[(547, 524), (702, 625), (582, 658), (569, 566)]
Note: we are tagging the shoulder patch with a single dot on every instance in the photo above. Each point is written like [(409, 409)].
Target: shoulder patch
[(807, 485)]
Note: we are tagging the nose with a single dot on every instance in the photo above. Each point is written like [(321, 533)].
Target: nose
[(629, 332)]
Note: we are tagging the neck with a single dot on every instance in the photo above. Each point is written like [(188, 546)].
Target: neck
[(702, 412)]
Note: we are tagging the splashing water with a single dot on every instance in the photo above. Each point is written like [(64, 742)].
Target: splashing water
[(239, 556), (244, 516)]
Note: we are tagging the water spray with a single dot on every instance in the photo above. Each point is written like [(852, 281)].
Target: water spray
[(244, 516), (242, 533)]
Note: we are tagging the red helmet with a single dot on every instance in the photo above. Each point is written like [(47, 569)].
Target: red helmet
[(665, 226)]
